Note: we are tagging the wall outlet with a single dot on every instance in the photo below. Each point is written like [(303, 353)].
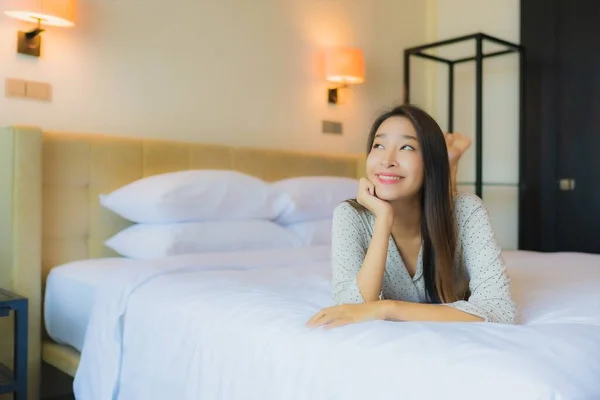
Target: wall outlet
[(332, 127)]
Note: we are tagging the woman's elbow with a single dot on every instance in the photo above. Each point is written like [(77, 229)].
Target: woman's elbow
[(347, 292), (505, 313), (346, 298)]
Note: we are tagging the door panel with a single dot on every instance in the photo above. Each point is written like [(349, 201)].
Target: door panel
[(578, 119)]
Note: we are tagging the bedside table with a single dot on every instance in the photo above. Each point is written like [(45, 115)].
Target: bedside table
[(14, 380)]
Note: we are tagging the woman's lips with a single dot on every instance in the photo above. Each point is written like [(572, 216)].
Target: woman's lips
[(389, 179)]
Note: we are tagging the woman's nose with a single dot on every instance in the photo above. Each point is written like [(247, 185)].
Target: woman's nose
[(388, 161)]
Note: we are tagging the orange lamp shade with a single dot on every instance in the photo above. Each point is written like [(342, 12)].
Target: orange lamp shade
[(344, 65), (47, 12)]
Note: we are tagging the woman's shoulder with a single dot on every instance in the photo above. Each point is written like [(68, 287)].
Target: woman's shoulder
[(351, 221), (351, 210), (467, 204), (466, 200)]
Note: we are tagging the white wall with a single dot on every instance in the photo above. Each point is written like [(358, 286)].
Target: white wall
[(499, 18), (228, 71)]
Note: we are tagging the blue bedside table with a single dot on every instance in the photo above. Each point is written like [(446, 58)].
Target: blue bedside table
[(14, 380)]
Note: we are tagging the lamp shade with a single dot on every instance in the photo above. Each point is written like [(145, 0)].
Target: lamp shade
[(344, 65), (47, 12)]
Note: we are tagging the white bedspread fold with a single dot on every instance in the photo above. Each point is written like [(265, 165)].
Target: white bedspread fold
[(99, 367)]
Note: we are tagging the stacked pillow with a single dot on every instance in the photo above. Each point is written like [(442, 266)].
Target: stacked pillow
[(195, 195), (199, 211), (308, 211)]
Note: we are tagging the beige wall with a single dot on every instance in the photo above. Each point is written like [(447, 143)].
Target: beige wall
[(240, 72), (229, 71), (499, 18)]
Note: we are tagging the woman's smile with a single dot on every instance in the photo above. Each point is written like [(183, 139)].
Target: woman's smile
[(388, 178)]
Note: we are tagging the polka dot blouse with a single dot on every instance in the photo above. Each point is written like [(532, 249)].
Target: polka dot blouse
[(477, 252)]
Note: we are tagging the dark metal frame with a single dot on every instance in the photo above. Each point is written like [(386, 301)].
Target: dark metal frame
[(479, 56)]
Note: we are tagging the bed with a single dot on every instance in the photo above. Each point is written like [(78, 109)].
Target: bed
[(50, 213), (230, 325)]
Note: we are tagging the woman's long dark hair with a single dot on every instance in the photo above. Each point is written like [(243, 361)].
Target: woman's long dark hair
[(442, 282)]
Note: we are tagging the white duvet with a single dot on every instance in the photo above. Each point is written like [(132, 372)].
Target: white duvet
[(233, 327)]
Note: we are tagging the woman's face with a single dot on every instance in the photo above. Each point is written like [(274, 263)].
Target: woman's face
[(395, 164)]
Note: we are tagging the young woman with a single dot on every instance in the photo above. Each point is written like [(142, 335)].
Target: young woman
[(410, 248)]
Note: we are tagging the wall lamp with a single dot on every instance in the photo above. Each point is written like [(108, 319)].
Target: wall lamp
[(343, 66), (59, 13)]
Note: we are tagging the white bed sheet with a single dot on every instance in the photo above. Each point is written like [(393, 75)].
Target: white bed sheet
[(69, 296), (232, 327)]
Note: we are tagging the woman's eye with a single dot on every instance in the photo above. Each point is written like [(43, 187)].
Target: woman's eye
[(407, 147), (377, 146)]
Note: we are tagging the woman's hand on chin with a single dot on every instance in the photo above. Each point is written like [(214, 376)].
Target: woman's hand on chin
[(368, 198)]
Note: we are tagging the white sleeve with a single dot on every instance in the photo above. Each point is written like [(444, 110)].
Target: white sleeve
[(491, 296), (348, 250)]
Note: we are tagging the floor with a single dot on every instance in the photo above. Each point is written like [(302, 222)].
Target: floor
[(55, 384)]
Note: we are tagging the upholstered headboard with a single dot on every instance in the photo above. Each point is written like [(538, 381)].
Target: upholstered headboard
[(49, 195), (78, 168)]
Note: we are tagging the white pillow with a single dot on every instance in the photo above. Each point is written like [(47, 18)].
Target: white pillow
[(313, 233), (195, 195), (314, 197), (149, 241)]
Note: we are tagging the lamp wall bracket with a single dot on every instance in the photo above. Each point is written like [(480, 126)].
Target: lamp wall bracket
[(30, 43), (333, 94)]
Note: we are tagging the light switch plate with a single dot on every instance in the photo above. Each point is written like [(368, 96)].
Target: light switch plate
[(39, 91), (14, 87), (333, 127)]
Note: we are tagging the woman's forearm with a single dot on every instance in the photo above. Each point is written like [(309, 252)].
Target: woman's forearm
[(406, 311), (370, 276)]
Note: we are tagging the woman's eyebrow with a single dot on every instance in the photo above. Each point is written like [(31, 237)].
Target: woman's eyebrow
[(383, 135)]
